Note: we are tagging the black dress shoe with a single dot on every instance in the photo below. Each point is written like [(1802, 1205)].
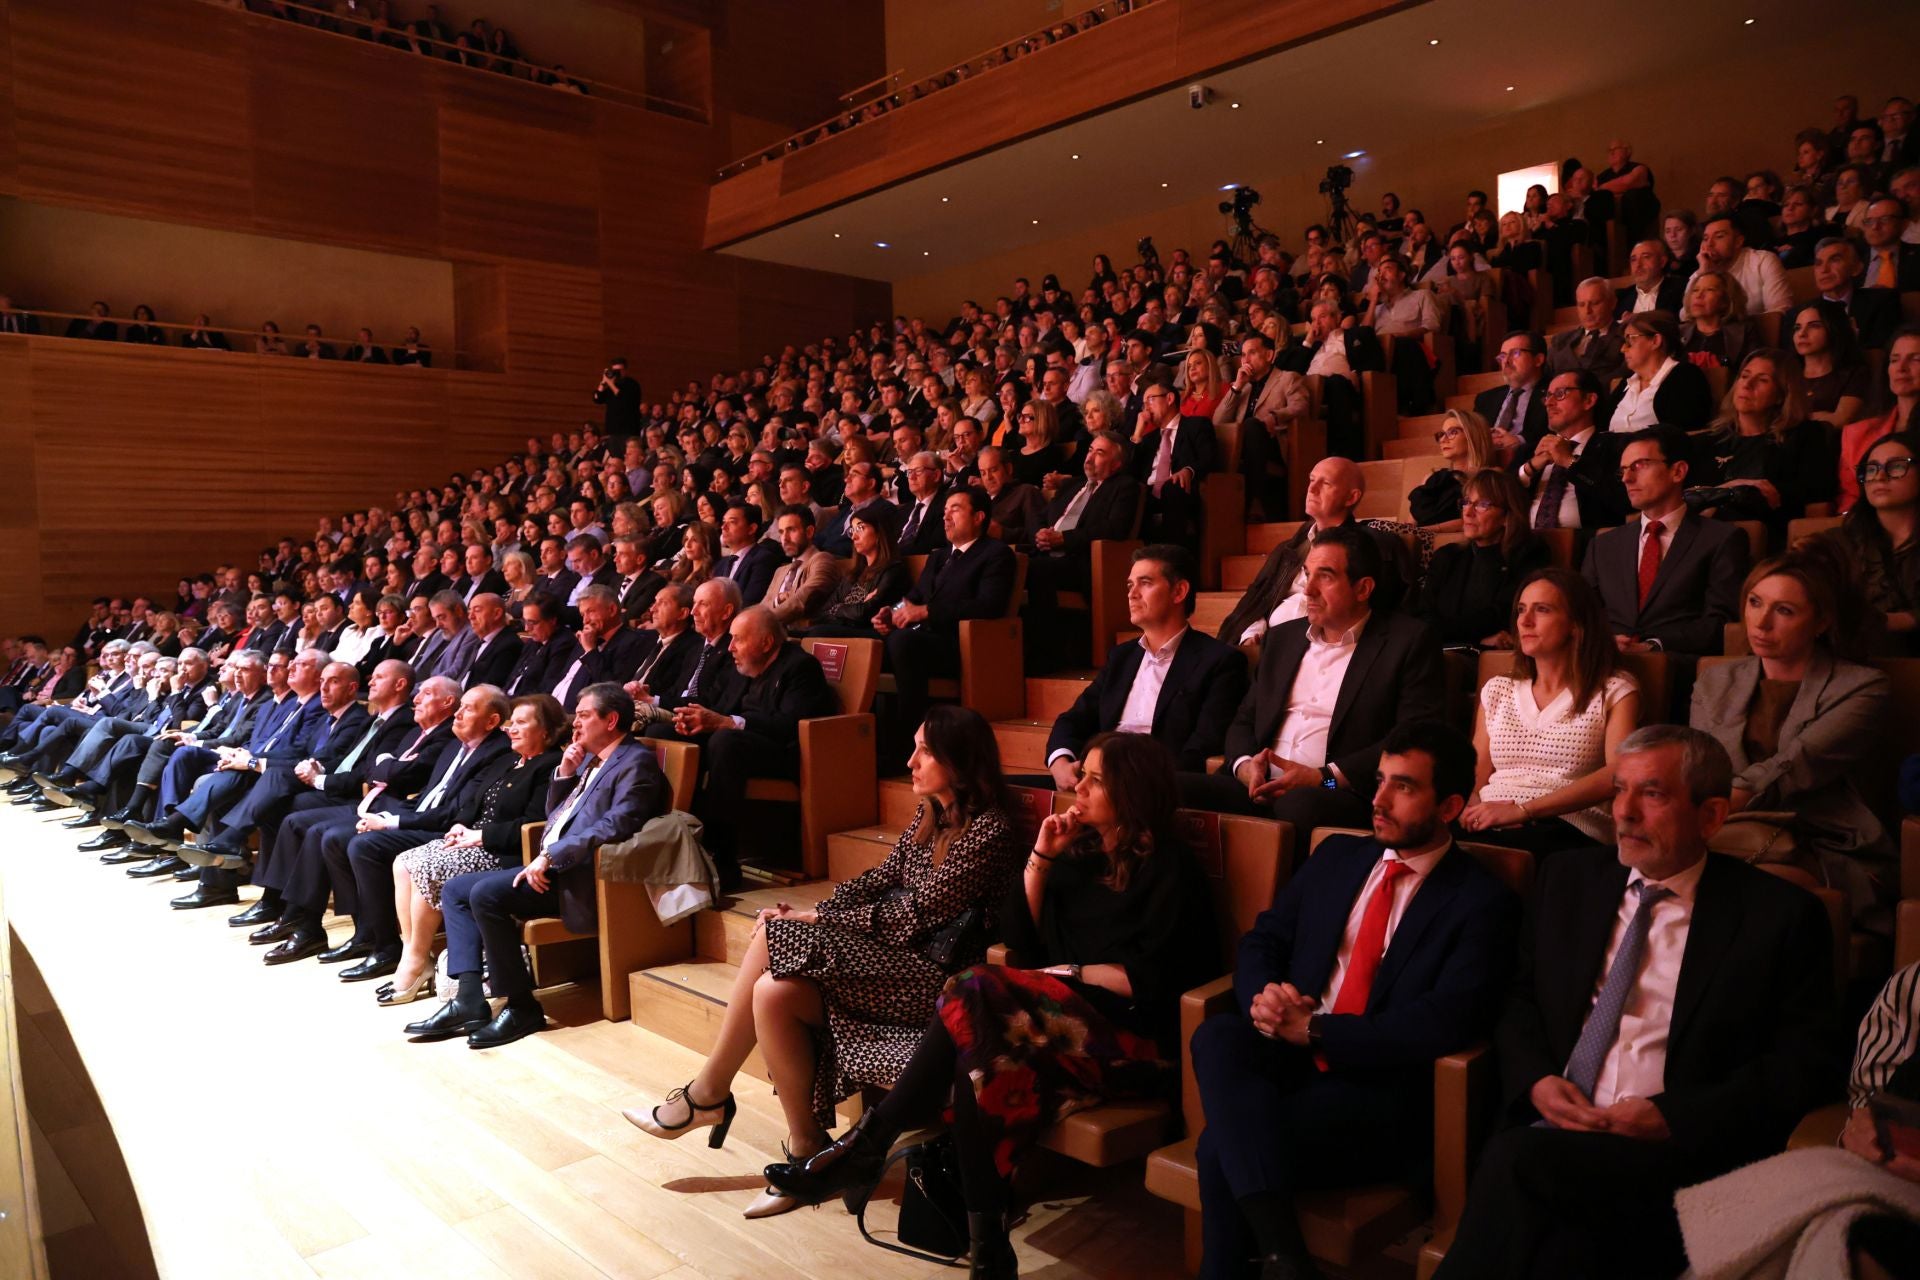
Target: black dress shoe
[(169, 828), (43, 803), (105, 840), (65, 776), (450, 1020), (377, 965), (205, 897), (159, 865), (351, 949), (125, 855), (278, 931), (508, 1025), (82, 822), (120, 817), (297, 945), (259, 913), (187, 871)]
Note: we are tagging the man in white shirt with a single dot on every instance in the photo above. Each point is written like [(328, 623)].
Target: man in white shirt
[(1723, 247), (1328, 341), (1568, 487), (1673, 1018), (1089, 372)]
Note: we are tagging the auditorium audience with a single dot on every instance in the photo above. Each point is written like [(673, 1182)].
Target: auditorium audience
[(1801, 722), (1838, 377), (1466, 594), (1715, 334), (1879, 537), (1662, 387), (837, 995), (1467, 448)]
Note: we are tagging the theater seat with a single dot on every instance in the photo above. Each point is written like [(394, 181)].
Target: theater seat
[(836, 787)]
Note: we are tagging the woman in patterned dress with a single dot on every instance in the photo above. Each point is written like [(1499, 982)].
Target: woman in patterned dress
[(1546, 733), (837, 995), (485, 835), (1117, 909)]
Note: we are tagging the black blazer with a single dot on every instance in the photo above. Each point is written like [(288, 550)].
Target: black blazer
[(492, 580), (1439, 984), (1754, 1043), (662, 668), (637, 599), (1595, 479), (774, 702), (533, 671), (978, 584), (522, 799), (1113, 512), (1876, 314), (1533, 425), (1670, 297), (1194, 445), (406, 774), (1684, 400), (757, 566), (1695, 594), (494, 660), (1393, 678), (716, 675), (467, 785), (395, 732), (931, 533), (1204, 686)]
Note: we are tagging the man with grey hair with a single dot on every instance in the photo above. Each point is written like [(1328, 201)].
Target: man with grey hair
[(1593, 343), (112, 741), (920, 526), (110, 688), (496, 649), (603, 649), (1672, 1018), (751, 729), (449, 650)]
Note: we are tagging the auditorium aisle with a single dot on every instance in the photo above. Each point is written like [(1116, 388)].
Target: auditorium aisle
[(275, 1123)]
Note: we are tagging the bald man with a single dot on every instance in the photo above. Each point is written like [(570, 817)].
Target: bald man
[(1334, 488)]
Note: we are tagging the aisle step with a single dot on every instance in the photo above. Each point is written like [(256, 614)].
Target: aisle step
[(851, 852), (898, 804), (1023, 744), (685, 1003), (1048, 696), (1212, 608), (721, 933), (1238, 572)]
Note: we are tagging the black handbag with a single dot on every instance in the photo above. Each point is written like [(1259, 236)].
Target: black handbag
[(962, 937), (933, 1212)]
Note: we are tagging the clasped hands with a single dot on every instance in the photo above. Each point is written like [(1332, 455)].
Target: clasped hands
[(1559, 1101), (1268, 774), (904, 614), (786, 911), (236, 759), (1280, 1012)]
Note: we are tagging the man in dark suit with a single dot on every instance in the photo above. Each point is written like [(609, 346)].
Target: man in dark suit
[(751, 560), (605, 648), (1105, 503), (751, 727), (921, 528), (542, 642), (1013, 508), (496, 650), (620, 791), (1836, 273), (634, 585), (1669, 579), (1305, 742), (970, 576), (1672, 1018), (1379, 956), (1177, 684), (1573, 477), (1654, 288), (292, 871), (1594, 342), (480, 575), (587, 561), (671, 648), (1517, 410), (1172, 460), (862, 487), (1890, 262), (556, 579), (619, 396)]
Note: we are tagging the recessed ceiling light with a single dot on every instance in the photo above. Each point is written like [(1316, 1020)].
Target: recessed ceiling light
[(1236, 106), (1747, 23), (1074, 156), (881, 244), (1036, 222), (925, 252), (1231, 186), (1509, 88), (1354, 155), (836, 235), (1163, 184), (1319, 142), (1431, 43), (943, 199)]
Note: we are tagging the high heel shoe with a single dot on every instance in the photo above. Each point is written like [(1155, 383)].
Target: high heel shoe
[(719, 1115), (848, 1167), (772, 1201), (990, 1248), (392, 993)]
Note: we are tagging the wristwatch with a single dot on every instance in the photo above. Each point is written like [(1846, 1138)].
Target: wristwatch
[(1327, 778), (1314, 1030)]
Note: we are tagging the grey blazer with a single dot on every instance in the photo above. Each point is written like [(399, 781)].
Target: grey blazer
[(1834, 731)]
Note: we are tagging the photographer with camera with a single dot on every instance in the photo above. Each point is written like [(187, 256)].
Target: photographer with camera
[(620, 396)]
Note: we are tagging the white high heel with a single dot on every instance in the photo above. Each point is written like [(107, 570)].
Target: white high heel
[(720, 1116)]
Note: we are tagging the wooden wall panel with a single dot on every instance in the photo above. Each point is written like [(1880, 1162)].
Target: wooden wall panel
[(346, 136), (1126, 58), (126, 106), (515, 184), (20, 499)]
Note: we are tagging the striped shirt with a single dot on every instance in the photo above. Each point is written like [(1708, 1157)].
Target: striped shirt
[(1889, 1035)]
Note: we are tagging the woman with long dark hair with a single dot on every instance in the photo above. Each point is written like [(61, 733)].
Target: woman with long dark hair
[(1112, 921), (1839, 380), (1467, 591), (1881, 535), (1898, 409), (836, 995), (879, 576)]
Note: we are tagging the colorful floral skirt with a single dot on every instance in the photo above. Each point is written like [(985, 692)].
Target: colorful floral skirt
[(1037, 1051)]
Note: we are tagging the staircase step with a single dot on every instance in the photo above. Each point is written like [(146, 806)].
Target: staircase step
[(1238, 572), (898, 804), (851, 852), (1212, 608), (1023, 744), (722, 933), (1048, 696), (685, 1003), (1262, 538)]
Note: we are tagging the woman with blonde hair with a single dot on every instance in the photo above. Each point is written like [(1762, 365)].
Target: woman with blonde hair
[(699, 553), (1715, 334), (1039, 425), (1204, 384), (1762, 458), (1466, 446)]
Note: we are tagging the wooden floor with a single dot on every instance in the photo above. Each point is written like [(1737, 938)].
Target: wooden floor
[(275, 1123)]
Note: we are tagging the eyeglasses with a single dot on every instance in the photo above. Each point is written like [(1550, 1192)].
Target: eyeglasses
[(1891, 469), (1027, 417), (1879, 220), (1445, 434), (1506, 356), (1630, 337), (1561, 393), (1632, 469), (1480, 505)]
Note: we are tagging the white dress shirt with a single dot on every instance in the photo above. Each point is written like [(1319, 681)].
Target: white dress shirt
[(1144, 695), (1418, 867), (1646, 299), (1569, 500), (1635, 411), (1762, 278), (1316, 688), (1331, 357), (1636, 1065)]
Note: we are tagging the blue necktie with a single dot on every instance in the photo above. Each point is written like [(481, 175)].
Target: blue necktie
[(1603, 1021)]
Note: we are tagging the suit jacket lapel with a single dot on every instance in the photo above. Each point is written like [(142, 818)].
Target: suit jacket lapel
[(1180, 678), (1365, 650), (1715, 922), (1291, 651), (1428, 905), (1591, 927), (1126, 669), (1678, 547)]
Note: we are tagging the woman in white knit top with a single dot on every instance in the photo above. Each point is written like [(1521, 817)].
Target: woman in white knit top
[(1546, 733)]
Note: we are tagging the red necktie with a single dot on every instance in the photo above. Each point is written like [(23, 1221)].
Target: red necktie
[(1649, 560), (1369, 946)]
